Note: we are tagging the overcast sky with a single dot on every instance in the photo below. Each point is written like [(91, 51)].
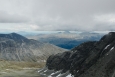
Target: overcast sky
[(47, 15)]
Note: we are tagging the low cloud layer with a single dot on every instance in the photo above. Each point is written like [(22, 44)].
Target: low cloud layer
[(86, 15), (12, 18)]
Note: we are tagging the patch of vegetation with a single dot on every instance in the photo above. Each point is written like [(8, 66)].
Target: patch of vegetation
[(20, 65)]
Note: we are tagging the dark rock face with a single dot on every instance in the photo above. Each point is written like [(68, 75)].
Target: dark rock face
[(69, 59), (58, 61), (15, 47), (90, 59)]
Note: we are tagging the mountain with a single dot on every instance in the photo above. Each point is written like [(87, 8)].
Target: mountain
[(67, 39), (89, 59), (15, 47)]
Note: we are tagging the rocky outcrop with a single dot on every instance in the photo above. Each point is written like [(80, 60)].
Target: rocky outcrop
[(90, 59), (15, 47)]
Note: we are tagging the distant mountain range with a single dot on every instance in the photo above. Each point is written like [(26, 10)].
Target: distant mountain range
[(15, 47), (67, 39)]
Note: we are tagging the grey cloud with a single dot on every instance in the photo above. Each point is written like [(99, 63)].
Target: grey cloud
[(58, 14), (8, 18)]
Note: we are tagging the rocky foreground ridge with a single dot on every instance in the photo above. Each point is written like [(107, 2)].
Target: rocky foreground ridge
[(14, 47), (89, 59)]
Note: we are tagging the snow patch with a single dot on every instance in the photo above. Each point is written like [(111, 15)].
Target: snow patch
[(59, 75), (40, 70), (54, 73), (107, 46), (69, 75), (112, 48), (49, 76), (45, 71)]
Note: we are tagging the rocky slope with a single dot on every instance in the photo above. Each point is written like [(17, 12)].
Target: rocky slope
[(15, 47), (89, 59)]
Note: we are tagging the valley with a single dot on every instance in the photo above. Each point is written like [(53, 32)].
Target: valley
[(20, 69)]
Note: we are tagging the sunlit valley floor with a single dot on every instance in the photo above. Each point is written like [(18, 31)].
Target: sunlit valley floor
[(20, 69)]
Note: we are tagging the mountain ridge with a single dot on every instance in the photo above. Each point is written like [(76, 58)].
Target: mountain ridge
[(67, 40), (90, 59), (17, 47)]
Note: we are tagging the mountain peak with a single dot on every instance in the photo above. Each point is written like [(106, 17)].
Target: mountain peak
[(14, 36), (14, 33)]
